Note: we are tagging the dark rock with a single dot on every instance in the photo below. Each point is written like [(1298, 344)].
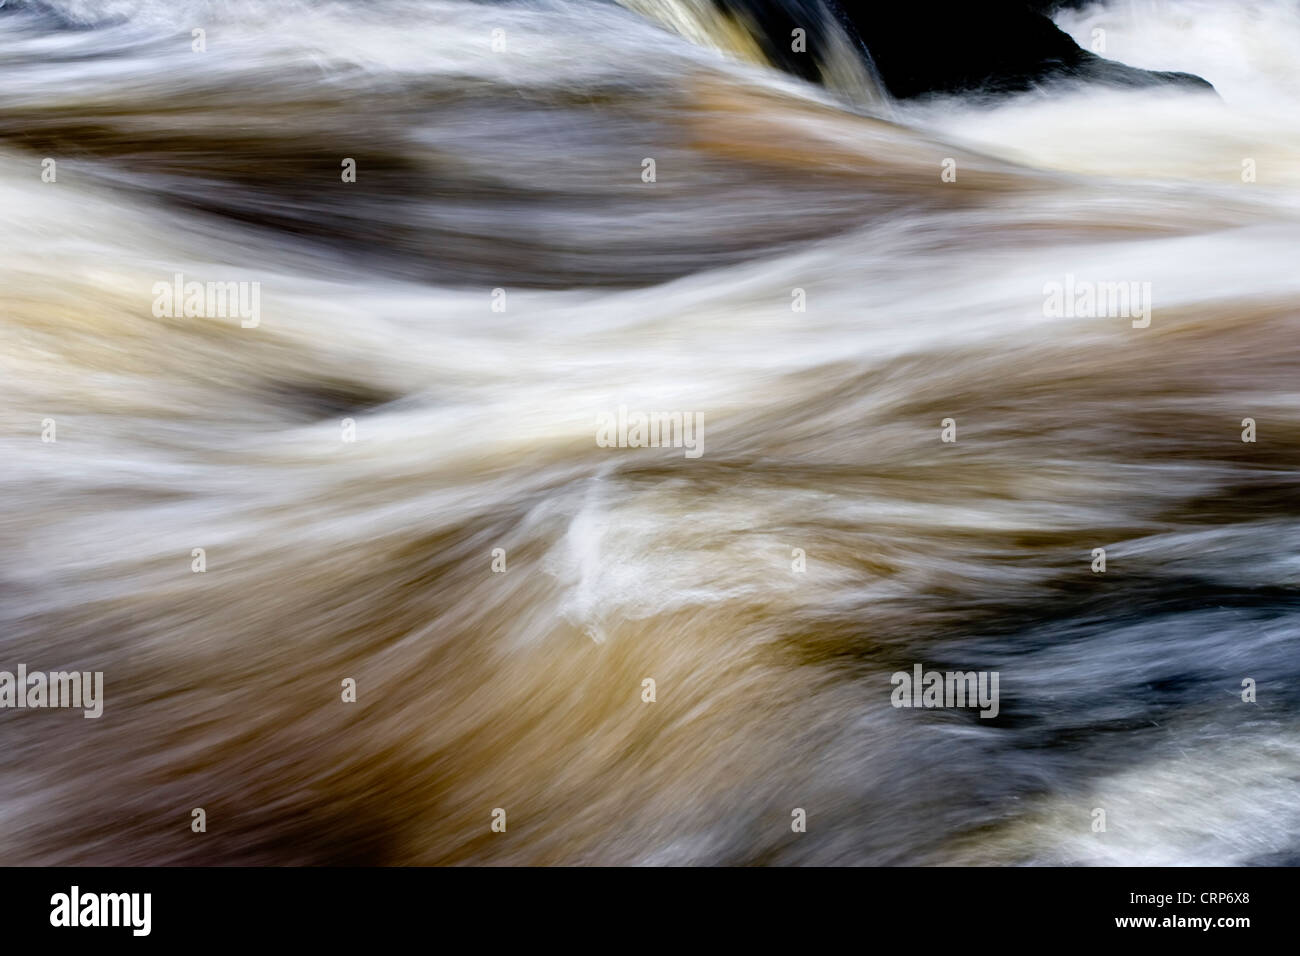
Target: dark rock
[(919, 49), (772, 22)]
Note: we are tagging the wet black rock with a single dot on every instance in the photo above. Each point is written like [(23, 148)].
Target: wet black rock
[(918, 49)]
